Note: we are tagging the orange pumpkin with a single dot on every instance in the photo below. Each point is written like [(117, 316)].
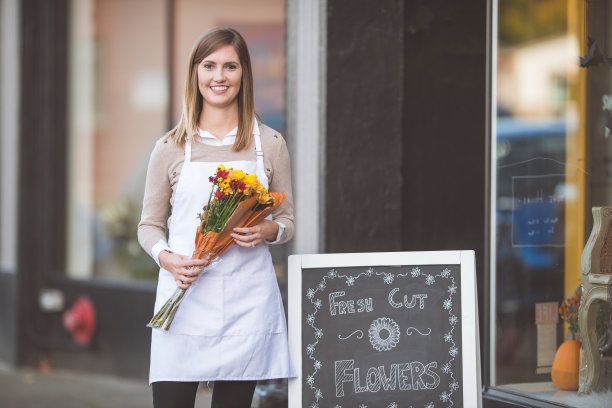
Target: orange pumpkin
[(565, 366)]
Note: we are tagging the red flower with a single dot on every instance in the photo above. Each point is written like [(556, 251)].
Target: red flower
[(219, 194)]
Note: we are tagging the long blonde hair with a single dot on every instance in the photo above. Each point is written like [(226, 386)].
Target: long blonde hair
[(208, 43)]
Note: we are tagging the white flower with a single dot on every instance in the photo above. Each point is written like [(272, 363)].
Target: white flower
[(452, 320), (448, 337), (363, 406), (452, 289), (317, 304), (318, 333), (310, 380), (430, 405), (318, 394), (392, 405), (446, 368), (444, 397), (321, 285), (332, 273), (453, 351), (337, 406), (317, 365), (447, 304), (430, 279), (369, 271), (314, 405), (446, 273), (415, 272), (388, 279), (310, 319), (350, 280), (454, 385), (310, 349), (310, 293)]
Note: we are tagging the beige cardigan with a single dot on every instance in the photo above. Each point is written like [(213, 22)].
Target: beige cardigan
[(165, 167)]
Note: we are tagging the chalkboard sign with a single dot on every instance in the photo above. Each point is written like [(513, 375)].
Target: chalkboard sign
[(386, 330)]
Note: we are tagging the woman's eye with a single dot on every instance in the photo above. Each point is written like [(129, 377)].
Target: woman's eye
[(208, 66), (232, 67)]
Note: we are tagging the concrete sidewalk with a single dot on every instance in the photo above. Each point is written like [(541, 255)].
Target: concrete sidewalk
[(28, 388)]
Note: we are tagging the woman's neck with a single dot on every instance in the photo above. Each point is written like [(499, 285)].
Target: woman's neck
[(218, 121)]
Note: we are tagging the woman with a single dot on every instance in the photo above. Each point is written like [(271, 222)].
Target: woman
[(230, 328)]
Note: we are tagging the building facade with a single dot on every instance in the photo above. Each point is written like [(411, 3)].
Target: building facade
[(412, 125)]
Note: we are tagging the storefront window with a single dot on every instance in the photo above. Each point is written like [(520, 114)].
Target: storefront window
[(126, 75), (546, 180)]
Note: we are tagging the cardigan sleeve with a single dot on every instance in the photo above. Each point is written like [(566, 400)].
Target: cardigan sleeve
[(152, 228), (281, 182)]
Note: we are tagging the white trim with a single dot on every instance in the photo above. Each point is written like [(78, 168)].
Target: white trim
[(493, 191), (305, 118), (9, 132)]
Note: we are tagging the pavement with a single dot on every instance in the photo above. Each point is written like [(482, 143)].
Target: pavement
[(30, 388)]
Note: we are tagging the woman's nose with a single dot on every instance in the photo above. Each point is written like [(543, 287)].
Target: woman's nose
[(219, 75)]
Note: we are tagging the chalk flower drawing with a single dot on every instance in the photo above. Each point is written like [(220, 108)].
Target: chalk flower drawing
[(384, 334), (310, 349), (444, 397), (387, 338), (388, 278)]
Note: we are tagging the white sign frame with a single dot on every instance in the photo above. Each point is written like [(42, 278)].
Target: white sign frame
[(471, 373)]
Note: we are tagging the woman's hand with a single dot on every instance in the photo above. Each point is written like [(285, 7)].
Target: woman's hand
[(184, 269), (252, 236)]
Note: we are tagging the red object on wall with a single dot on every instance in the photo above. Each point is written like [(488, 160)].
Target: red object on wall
[(80, 320)]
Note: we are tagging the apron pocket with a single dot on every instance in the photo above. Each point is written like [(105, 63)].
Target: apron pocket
[(201, 311), (253, 305)]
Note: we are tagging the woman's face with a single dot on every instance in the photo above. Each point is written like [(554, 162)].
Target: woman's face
[(220, 77)]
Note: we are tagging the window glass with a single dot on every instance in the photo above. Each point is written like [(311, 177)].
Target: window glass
[(545, 184), (117, 108)]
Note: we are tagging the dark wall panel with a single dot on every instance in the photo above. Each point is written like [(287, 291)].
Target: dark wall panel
[(364, 125), (444, 164), (8, 317)]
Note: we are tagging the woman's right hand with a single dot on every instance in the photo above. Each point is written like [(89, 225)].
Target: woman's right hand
[(184, 269)]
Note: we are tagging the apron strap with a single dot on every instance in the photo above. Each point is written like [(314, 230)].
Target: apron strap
[(187, 151), (260, 155)]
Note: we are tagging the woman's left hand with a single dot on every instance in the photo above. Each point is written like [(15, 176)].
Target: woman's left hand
[(253, 236)]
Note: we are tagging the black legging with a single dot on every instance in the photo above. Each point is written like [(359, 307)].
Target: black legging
[(226, 394)]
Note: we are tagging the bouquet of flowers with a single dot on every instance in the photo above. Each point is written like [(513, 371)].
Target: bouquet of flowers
[(569, 311), (236, 199)]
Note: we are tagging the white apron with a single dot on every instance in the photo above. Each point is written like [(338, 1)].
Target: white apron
[(231, 323)]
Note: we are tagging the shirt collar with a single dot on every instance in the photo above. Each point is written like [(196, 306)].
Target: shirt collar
[(229, 138)]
